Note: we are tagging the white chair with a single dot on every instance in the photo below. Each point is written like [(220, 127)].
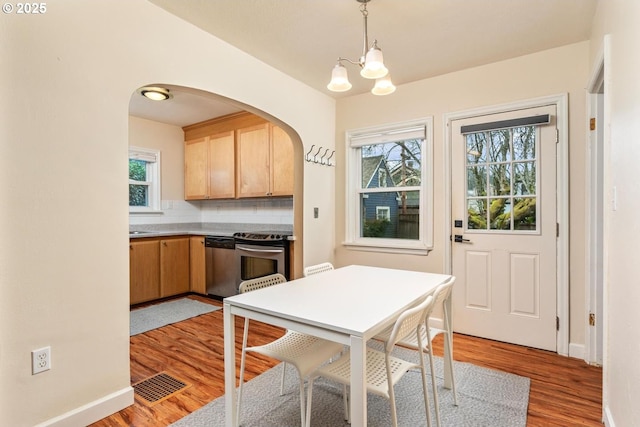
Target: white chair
[(318, 268), (383, 371), (427, 334), (304, 352)]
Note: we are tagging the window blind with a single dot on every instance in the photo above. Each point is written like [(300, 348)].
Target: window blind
[(505, 124), (144, 156), (388, 135)]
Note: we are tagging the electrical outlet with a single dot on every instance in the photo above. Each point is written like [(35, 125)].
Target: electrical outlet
[(40, 360)]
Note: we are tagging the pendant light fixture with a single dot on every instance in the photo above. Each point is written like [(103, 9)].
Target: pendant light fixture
[(371, 64)]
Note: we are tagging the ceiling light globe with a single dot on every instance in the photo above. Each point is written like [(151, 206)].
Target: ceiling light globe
[(374, 65), (383, 86), (155, 93), (339, 79)]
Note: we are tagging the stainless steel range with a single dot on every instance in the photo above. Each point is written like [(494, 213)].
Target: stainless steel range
[(261, 254)]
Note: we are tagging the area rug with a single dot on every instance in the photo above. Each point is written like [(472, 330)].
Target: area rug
[(485, 398), (158, 315)]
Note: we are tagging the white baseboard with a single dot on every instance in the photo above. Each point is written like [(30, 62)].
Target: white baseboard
[(607, 418), (577, 351), (93, 411)]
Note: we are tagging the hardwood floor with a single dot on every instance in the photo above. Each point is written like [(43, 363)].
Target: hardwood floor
[(564, 391)]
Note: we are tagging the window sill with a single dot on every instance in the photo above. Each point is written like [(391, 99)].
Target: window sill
[(373, 247)]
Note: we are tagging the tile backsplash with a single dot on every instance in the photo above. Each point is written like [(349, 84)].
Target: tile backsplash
[(246, 211)]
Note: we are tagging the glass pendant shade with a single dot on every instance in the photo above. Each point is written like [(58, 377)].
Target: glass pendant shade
[(339, 79), (383, 86), (373, 64)]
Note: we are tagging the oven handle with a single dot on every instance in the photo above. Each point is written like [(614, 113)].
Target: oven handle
[(264, 251)]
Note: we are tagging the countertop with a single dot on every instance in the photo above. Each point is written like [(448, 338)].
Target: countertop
[(204, 229)]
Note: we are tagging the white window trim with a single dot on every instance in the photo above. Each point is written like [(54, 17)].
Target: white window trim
[(353, 174), (153, 175)]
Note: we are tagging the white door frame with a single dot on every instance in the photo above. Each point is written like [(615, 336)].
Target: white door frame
[(562, 164), (597, 185)]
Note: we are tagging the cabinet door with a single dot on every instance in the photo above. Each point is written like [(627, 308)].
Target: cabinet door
[(281, 163), (222, 166), (253, 156), (174, 266), (144, 271), (196, 178), (197, 265)]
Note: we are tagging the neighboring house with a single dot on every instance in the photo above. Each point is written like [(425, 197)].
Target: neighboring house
[(380, 210)]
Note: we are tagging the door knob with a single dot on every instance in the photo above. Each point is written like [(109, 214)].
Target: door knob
[(459, 239)]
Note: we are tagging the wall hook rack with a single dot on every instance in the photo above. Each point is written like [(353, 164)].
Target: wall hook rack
[(312, 156)]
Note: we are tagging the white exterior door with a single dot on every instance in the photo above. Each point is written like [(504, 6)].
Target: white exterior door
[(505, 227)]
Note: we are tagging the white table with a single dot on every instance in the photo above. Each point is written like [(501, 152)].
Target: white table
[(348, 305)]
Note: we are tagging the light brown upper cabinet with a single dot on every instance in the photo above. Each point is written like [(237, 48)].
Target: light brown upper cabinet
[(265, 162), (282, 163), (209, 167), (235, 156)]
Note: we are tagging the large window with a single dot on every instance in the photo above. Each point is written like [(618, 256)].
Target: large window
[(389, 191), (144, 180)]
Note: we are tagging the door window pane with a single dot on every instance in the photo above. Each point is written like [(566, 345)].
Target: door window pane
[(502, 188), (477, 214), (524, 214), (476, 148), (524, 143), (500, 214), (477, 181), (500, 146), (524, 180), (500, 179)]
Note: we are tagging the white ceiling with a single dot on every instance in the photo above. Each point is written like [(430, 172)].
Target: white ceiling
[(419, 38)]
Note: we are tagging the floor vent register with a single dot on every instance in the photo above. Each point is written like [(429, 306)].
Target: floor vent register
[(158, 388)]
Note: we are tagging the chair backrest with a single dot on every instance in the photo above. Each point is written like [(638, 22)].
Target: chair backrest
[(409, 321), (318, 268), (443, 292), (261, 282)]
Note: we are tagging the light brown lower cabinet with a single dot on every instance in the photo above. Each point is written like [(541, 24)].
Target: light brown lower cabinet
[(144, 270), (174, 266), (197, 265), (158, 268)]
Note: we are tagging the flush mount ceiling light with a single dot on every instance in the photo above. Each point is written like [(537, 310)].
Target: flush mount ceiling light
[(371, 64), (155, 93)]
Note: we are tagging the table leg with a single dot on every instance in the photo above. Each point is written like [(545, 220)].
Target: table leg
[(229, 367), (358, 382)]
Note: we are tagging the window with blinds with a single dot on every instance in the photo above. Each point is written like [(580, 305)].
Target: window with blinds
[(144, 179), (389, 187)]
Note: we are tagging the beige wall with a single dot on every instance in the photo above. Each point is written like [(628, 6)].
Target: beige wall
[(170, 141), (67, 78), (617, 20), (562, 70)]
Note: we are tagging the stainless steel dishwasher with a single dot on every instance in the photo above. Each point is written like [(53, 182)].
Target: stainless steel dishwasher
[(220, 266)]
